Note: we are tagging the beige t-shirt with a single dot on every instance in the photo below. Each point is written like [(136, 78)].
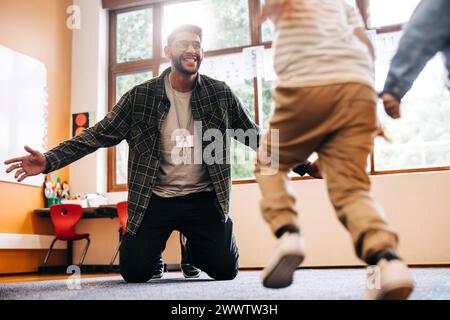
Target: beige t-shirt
[(180, 174), (318, 46)]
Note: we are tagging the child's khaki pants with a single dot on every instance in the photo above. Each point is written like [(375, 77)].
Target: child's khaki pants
[(339, 123)]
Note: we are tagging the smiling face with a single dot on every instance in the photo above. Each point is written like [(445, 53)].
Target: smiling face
[(186, 53)]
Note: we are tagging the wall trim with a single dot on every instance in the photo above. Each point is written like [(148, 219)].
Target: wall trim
[(28, 241)]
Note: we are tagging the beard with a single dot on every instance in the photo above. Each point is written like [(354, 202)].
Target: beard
[(177, 61)]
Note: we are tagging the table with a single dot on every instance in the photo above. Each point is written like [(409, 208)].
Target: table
[(106, 211), (101, 212)]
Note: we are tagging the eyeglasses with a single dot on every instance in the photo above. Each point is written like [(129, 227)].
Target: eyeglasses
[(184, 44)]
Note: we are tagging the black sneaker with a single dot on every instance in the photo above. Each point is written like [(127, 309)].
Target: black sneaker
[(158, 273), (189, 271)]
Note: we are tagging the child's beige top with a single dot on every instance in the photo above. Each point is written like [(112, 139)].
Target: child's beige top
[(318, 46)]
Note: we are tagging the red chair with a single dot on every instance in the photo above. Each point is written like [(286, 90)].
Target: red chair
[(64, 218), (122, 212)]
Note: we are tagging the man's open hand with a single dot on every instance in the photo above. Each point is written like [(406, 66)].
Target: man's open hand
[(26, 166)]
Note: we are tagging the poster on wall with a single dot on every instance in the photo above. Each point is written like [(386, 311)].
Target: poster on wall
[(23, 109)]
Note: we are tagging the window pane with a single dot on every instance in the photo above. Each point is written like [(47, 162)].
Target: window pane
[(242, 161), (268, 82), (388, 12), (125, 82), (267, 105), (134, 35), (267, 30), (121, 160), (421, 138), (244, 156), (230, 68), (224, 24)]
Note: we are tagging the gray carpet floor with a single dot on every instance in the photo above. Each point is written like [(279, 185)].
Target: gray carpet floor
[(333, 284)]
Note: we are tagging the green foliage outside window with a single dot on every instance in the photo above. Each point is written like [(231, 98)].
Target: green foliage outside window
[(134, 35)]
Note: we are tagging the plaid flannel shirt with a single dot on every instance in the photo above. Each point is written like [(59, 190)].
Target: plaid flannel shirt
[(138, 118)]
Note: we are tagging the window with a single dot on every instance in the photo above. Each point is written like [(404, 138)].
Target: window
[(421, 139), (134, 35)]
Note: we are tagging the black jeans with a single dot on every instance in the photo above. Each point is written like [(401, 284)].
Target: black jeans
[(210, 241)]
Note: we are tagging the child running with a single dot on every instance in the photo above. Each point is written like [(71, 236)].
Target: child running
[(325, 102)]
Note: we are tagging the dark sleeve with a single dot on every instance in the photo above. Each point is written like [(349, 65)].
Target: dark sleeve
[(106, 133), (302, 169)]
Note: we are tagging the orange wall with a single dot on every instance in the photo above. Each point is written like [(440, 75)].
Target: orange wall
[(36, 28)]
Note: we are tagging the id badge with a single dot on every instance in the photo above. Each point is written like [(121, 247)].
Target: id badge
[(184, 141)]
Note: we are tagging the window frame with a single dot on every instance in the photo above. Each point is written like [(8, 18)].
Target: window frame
[(117, 7)]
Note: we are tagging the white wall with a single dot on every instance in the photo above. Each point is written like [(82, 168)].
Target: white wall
[(89, 94), (418, 204), (89, 90)]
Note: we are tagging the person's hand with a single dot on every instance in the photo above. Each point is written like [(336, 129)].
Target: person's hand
[(380, 133), (391, 105), (26, 166), (314, 170), (276, 10)]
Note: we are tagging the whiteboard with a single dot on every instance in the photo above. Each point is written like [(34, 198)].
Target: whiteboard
[(23, 109)]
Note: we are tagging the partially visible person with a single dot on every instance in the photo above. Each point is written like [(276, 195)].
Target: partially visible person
[(325, 102), (427, 33)]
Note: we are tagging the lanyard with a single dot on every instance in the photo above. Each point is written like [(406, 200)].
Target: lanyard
[(176, 98)]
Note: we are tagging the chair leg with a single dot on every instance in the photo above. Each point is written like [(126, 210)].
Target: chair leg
[(85, 251), (115, 254), (49, 251)]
